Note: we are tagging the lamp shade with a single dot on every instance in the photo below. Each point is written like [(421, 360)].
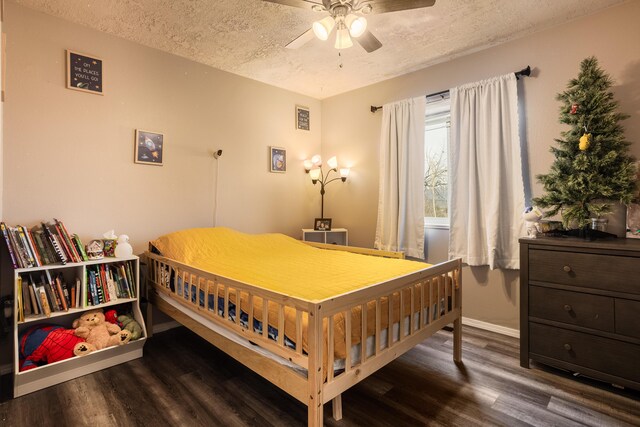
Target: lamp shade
[(316, 160), (314, 174), (344, 173), (356, 25), (323, 27), (308, 164), (343, 40), (333, 163)]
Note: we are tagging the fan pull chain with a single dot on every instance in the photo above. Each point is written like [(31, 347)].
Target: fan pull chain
[(340, 59)]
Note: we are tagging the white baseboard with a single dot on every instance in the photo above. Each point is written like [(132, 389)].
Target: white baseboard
[(491, 327), (165, 326)]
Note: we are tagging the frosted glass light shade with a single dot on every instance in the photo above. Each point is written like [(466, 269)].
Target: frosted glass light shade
[(323, 27), (308, 164), (344, 173), (316, 160), (332, 162), (356, 25), (343, 40), (314, 174)]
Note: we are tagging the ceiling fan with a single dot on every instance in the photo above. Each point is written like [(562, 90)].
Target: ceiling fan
[(347, 17)]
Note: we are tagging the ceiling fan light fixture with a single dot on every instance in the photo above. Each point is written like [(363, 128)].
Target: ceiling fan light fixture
[(357, 25), (343, 40), (323, 27)]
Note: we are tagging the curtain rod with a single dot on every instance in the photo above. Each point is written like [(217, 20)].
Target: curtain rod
[(523, 72)]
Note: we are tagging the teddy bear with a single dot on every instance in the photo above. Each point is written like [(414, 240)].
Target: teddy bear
[(130, 324), (44, 344), (97, 332)]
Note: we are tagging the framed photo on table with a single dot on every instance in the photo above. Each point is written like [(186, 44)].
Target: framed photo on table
[(322, 224)]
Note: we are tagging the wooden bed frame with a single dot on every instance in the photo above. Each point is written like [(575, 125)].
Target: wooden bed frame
[(427, 288)]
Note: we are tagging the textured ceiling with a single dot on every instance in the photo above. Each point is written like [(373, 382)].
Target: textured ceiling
[(247, 37)]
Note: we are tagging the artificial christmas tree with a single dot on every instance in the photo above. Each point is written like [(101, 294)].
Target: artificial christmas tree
[(592, 166)]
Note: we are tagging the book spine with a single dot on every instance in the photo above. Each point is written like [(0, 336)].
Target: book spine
[(20, 301), (22, 251), (113, 292), (80, 247), (37, 238), (63, 300), (67, 238), (65, 290), (26, 300), (54, 244), (46, 309), (132, 281), (92, 288), (53, 298), (14, 260), (28, 249), (32, 296), (32, 245), (105, 285), (33, 286), (60, 238), (78, 290), (123, 273)]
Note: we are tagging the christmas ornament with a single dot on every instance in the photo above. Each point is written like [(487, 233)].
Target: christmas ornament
[(585, 140), (574, 109)]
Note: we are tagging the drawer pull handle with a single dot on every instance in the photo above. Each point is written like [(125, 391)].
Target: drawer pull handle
[(567, 307), (567, 347), (566, 268)]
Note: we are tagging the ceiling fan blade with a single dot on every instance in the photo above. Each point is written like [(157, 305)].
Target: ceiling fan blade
[(384, 6), (304, 4), (301, 39), (369, 42)]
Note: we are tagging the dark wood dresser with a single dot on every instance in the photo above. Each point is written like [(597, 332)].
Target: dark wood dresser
[(580, 306)]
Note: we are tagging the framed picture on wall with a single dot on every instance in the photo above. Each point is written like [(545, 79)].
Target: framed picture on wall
[(302, 118), (84, 73), (149, 147), (277, 159)]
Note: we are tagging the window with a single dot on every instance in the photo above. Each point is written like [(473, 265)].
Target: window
[(436, 174)]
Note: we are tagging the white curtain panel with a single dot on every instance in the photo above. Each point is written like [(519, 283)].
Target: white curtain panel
[(487, 191), (401, 194)]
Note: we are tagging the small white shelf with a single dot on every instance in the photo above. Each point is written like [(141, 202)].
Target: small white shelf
[(336, 236), (54, 373)]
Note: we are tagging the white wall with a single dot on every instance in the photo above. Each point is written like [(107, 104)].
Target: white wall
[(69, 154), (351, 131)]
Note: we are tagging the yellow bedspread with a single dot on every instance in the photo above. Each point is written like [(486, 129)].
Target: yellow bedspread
[(290, 267), (280, 263)]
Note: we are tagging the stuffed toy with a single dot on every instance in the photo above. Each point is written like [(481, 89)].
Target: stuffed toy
[(532, 215), (44, 344), (131, 325), (111, 316), (98, 333)]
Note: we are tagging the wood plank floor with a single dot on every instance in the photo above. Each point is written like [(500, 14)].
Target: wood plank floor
[(184, 381)]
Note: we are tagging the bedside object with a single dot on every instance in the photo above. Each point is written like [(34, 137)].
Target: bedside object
[(579, 305), (336, 236)]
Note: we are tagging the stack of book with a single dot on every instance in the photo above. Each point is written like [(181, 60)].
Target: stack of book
[(47, 243), (46, 294), (108, 282)]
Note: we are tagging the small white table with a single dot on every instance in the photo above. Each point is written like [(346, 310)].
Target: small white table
[(335, 236)]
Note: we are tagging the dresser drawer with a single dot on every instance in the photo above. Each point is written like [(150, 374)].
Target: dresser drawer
[(628, 318), (575, 308), (608, 272), (601, 354)]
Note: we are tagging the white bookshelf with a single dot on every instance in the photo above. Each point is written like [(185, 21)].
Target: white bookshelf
[(54, 373)]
